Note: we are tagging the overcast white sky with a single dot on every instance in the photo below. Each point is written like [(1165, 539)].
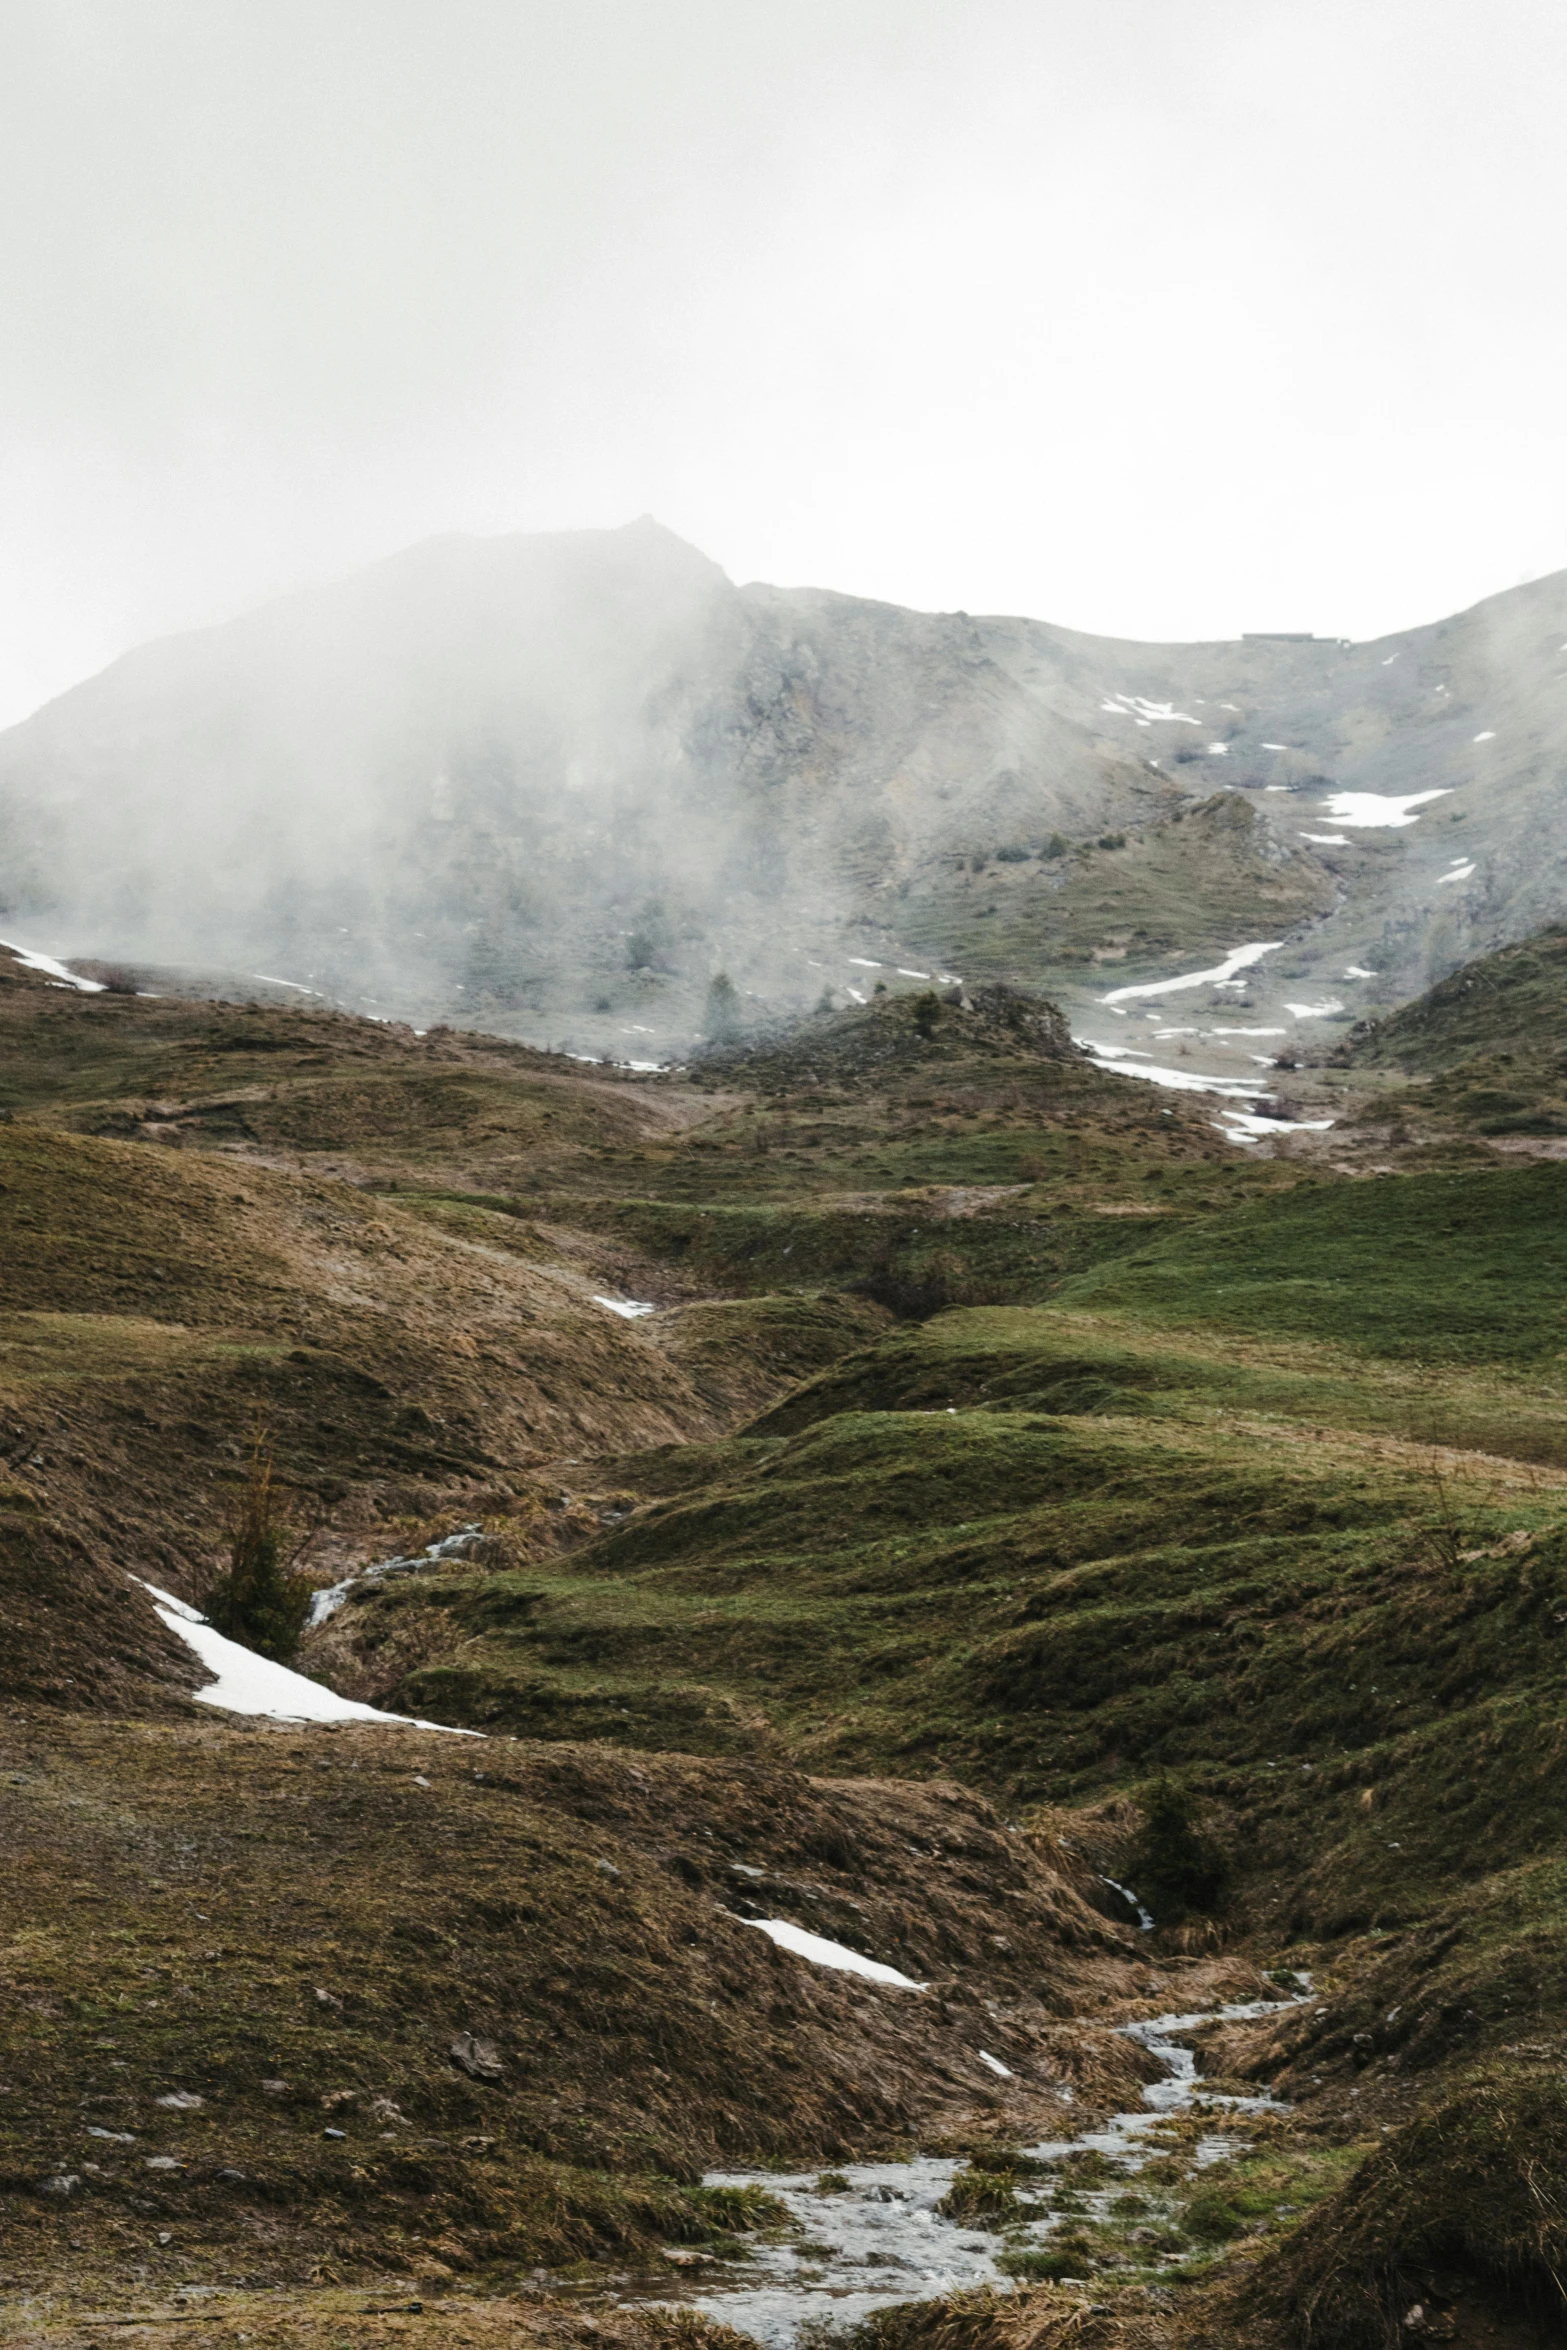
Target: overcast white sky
[(1158, 317)]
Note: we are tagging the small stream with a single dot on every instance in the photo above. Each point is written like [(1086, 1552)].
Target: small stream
[(882, 2240)]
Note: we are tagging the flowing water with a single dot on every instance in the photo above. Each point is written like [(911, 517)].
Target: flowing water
[(881, 2240)]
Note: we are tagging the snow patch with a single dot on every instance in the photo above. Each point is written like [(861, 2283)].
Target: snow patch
[(1370, 810), (820, 1952), (1177, 1080), (1327, 840), (1003, 2072), (1489, 736), (1461, 872), (1359, 971), (1245, 1123), (1315, 1011), (1148, 713), (1240, 959), (245, 1683), (51, 969), (629, 1309)]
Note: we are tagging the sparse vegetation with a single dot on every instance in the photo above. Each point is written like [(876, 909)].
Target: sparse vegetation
[(261, 1599)]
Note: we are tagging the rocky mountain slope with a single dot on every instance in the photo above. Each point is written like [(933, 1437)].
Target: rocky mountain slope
[(554, 784)]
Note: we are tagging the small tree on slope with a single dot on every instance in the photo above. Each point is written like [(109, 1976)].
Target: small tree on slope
[(259, 1599)]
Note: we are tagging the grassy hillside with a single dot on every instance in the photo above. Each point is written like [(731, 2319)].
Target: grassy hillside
[(1478, 1058), (242, 1956), (1169, 886), (1002, 1436), (1511, 1002)]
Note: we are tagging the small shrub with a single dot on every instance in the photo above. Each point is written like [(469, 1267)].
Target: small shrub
[(1177, 1867), (1213, 2217), (1111, 840), (259, 1599), (734, 2211), (927, 1013), (981, 2198), (1048, 2264), (1010, 2161)]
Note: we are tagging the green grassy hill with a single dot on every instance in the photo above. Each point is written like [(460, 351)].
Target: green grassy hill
[(1006, 1451), (1484, 1049), (1512, 1001)]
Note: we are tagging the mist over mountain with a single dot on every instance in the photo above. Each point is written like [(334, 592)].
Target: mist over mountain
[(552, 785)]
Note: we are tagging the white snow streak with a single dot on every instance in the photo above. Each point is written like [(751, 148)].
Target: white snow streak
[(1371, 810), (245, 1683), (821, 1952), (51, 969), (1238, 1123), (1240, 959), (1148, 713), (1176, 1080), (629, 1309), (1144, 1919)]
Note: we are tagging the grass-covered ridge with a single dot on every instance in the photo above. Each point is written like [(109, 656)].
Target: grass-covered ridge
[(1462, 1269), (1513, 1001)]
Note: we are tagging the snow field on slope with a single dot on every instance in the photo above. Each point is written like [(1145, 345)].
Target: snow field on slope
[(244, 1683)]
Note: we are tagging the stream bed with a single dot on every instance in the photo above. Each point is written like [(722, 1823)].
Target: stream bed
[(879, 2238)]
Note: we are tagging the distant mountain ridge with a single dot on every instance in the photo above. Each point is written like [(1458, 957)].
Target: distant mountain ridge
[(551, 785)]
